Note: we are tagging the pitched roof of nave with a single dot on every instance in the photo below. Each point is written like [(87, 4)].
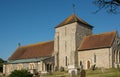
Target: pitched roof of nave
[(98, 41), (43, 49), (71, 19)]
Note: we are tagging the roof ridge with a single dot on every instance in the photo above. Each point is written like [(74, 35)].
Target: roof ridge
[(72, 18), (102, 33), (39, 43), (83, 21)]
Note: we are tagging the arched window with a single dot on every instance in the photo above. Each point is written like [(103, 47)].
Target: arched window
[(10, 67), (66, 60), (119, 57), (19, 66), (94, 58), (80, 63), (88, 64), (31, 66)]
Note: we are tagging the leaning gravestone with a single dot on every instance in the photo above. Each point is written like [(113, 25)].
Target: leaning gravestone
[(83, 73)]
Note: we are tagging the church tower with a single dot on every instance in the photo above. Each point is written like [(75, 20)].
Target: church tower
[(68, 36)]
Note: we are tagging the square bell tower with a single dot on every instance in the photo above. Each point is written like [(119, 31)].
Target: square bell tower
[(67, 39)]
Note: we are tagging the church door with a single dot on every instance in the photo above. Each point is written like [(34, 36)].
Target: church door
[(88, 64)]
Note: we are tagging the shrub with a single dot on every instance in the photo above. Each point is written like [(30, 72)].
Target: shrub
[(118, 67), (56, 68), (20, 73)]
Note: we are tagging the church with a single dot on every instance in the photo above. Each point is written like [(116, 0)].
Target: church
[(74, 45)]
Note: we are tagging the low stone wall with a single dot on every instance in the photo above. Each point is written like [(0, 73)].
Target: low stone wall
[(116, 65)]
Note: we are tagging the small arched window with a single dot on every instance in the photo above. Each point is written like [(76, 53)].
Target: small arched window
[(66, 60), (19, 66), (80, 63), (94, 58), (31, 66)]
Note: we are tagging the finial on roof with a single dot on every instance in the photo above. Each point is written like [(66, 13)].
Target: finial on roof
[(19, 44), (73, 8)]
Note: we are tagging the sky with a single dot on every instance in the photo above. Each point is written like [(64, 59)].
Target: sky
[(32, 21)]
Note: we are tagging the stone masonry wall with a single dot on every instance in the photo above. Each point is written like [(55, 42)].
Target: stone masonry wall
[(8, 68), (103, 58)]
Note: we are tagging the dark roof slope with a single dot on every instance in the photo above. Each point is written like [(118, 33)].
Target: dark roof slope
[(71, 19), (33, 51), (98, 41)]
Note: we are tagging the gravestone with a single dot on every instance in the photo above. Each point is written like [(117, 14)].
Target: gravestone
[(103, 70), (83, 73), (72, 68), (93, 67), (72, 74)]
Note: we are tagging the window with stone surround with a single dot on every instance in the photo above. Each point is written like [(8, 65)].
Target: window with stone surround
[(19, 66), (66, 61), (65, 31), (94, 58), (10, 67), (80, 63), (31, 66)]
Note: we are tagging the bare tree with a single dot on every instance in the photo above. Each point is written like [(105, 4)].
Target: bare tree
[(111, 6)]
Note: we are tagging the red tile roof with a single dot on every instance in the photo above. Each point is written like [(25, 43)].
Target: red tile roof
[(44, 49), (71, 19), (98, 41)]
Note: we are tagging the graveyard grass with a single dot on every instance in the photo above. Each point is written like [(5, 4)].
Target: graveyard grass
[(90, 73), (105, 73)]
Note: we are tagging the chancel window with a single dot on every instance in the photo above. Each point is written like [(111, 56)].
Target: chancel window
[(94, 58), (58, 41), (80, 63)]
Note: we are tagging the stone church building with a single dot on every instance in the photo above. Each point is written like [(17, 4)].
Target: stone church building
[(74, 45)]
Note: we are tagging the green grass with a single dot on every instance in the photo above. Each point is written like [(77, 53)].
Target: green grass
[(106, 73), (89, 73), (57, 74)]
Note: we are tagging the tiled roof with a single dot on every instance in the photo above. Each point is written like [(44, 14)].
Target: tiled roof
[(98, 41), (43, 49), (71, 19)]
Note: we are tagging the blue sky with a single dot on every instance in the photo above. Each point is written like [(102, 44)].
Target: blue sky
[(33, 21)]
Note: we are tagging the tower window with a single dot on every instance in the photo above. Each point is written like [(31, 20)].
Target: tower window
[(66, 60), (65, 45), (65, 31)]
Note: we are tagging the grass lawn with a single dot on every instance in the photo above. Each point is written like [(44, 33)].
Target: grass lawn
[(90, 73), (106, 73)]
